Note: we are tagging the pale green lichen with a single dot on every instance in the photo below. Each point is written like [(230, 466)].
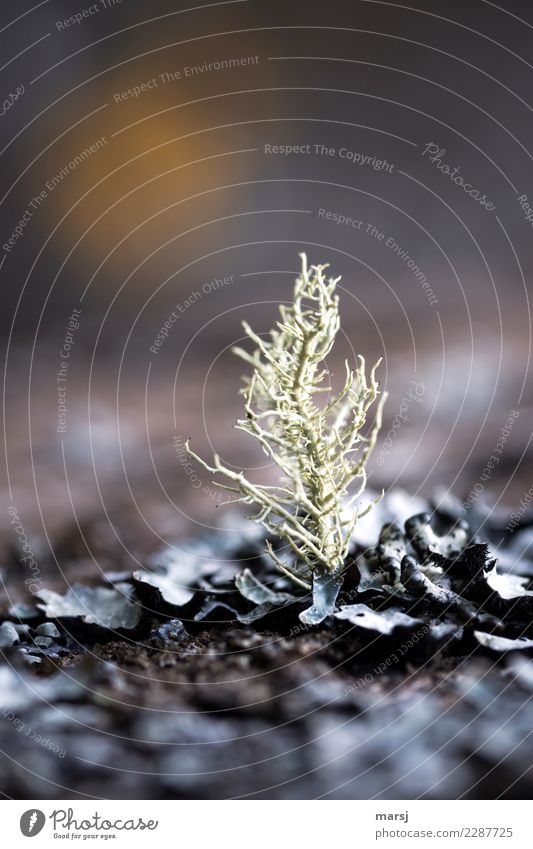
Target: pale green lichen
[(319, 448)]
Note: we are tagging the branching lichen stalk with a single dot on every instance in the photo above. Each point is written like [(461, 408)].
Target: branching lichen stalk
[(319, 446)]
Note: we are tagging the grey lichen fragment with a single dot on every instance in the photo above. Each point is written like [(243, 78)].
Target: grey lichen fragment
[(390, 550), (508, 586), (178, 573), (169, 635), (254, 590), (171, 591), (445, 633), (463, 590), (502, 644), (263, 597), (326, 588), (318, 446), (48, 629), (8, 635), (254, 615), (109, 608), (224, 610), (427, 542), (24, 612), (44, 642), (381, 621), (416, 581)]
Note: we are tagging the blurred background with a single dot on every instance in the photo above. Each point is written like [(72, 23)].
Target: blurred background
[(163, 166)]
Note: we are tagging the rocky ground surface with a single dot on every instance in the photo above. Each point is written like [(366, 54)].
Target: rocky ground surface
[(178, 681)]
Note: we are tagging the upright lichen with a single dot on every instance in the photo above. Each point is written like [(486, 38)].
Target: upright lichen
[(319, 447)]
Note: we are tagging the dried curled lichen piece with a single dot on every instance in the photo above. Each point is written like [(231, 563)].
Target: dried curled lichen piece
[(391, 547), (444, 600), (427, 543), (383, 621)]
